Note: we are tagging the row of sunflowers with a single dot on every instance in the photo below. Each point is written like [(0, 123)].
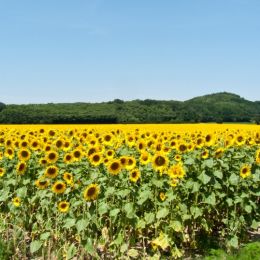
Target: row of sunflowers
[(127, 190)]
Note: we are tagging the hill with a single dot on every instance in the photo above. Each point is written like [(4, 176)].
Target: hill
[(218, 107)]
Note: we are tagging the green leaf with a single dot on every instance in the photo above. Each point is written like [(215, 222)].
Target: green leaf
[(102, 208), (35, 246), (133, 253), (189, 161), (143, 196), (157, 183), (141, 224), (195, 187), (89, 247), (81, 224), (129, 209), (71, 251), (233, 242), (233, 179), (248, 208), (176, 226), (45, 236), (110, 191), (208, 163), (114, 212), (218, 174), (204, 178), (123, 193), (255, 224), (211, 199), (149, 218), (69, 222), (196, 212), (229, 202), (21, 192), (162, 213)]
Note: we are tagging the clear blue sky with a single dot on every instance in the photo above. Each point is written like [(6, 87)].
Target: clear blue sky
[(99, 50)]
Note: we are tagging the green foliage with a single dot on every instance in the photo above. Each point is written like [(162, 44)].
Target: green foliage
[(220, 107)]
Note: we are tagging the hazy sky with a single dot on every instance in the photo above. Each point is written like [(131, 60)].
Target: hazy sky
[(99, 50)]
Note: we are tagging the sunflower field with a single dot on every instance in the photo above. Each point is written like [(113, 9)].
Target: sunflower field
[(127, 191)]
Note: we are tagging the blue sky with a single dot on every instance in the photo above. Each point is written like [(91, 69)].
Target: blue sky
[(99, 50)]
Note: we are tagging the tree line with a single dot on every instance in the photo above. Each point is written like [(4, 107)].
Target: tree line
[(219, 107)]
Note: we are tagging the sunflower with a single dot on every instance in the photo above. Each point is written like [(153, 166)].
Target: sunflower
[(204, 154), (108, 140), (51, 172), (162, 196), (123, 161), (245, 171), (68, 177), (144, 158), (77, 154), (141, 145), (59, 144), (240, 140), (134, 175), (2, 172), (42, 183), (131, 163), (24, 144), (173, 182), (24, 154), (209, 139), (114, 167), (95, 159), (199, 142), (16, 202), (177, 157), (59, 187), (91, 192), (52, 157), (257, 157), (9, 153), (176, 171), (21, 167), (182, 147), (68, 158), (63, 206), (43, 162), (110, 153), (219, 152), (159, 162), (35, 145)]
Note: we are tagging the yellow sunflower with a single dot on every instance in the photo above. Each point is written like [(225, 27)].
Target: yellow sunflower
[(59, 187), (63, 206), (162, 196), (134, 175), (91, 192), (17, 202), (24, 154), (68, 158), (176, 171), (131, 163), (42, 183), (2, 172), (96, 159), (204, 154), (68, 177), (114, 167), (51, 172), (160, 162), (245, 171), (21, 168), (52, 157), (145, 158)]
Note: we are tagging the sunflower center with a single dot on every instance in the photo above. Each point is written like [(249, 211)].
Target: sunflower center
[(114, 166), (91, 191), (160, 161), (59, 186)]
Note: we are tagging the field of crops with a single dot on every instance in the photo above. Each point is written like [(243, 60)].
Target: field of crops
[(127, 191)]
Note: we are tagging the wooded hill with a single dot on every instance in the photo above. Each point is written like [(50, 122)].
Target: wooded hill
[(219, 107)]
